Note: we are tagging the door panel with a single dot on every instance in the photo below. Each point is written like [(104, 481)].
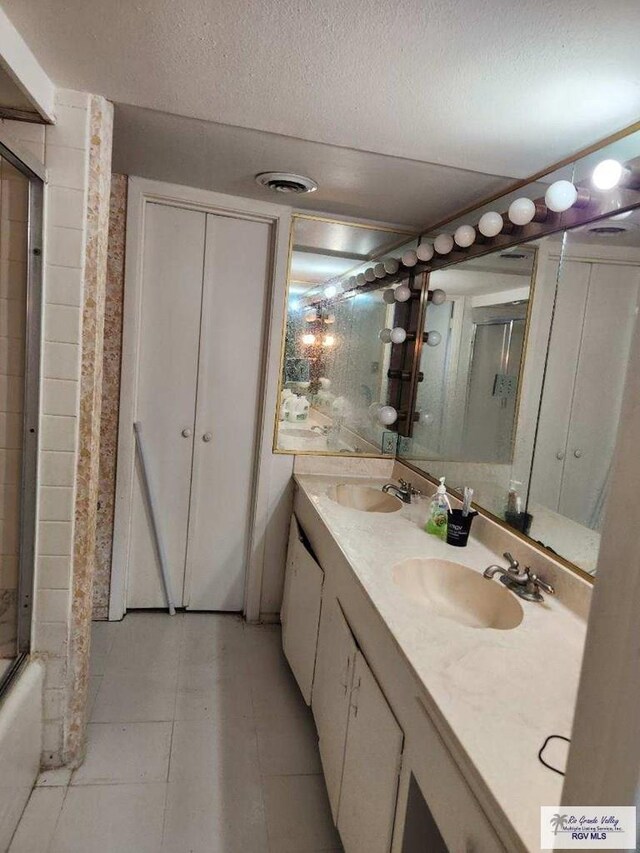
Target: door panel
[(229, 397), (331, 694), (371, 767), (555, 409), (609, 321), (301, 610), (166, 394)]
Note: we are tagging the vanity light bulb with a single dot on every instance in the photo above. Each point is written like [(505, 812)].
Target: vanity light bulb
[(561, 196), (385, 336), (490, 224), (324, 382), (443, 244), (403, 293), (607, 174), (387, 415), (433, 338), (373, 409), (438, 296), (465, 236), (426, 418), (398, 335), (424, 252), (308, 340), (522, 211), (330, 291), (328, 341), (369, 274), (379, 271), (360, 279), (410, 258), (391, 266), (330, 318), (311, 317), (389, 296)]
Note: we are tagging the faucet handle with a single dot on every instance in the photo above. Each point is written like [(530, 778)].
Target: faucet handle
[(405, 484), (539, 584), (513, 564)]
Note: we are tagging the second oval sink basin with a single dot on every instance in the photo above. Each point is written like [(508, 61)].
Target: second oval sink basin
[(364, 498), (458, 593)]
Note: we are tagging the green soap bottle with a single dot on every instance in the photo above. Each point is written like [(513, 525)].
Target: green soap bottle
[(440, 506)]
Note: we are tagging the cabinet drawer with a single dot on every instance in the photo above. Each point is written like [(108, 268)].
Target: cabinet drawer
[(300, 615)]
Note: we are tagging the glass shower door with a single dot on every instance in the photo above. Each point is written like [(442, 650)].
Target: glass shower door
[(20, 198)]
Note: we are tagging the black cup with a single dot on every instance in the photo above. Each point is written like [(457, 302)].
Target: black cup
[(520, 520), (458, 527)]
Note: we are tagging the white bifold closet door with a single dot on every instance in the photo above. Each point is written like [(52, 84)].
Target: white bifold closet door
[(203, 294)]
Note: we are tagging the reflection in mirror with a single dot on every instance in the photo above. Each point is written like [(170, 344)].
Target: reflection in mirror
[(595, 313), (334, 364), (469, 398)]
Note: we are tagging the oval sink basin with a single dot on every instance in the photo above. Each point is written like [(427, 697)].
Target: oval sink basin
[(364, 498), (458, 593)]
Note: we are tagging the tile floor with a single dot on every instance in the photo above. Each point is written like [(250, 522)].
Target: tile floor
[(198, 742)]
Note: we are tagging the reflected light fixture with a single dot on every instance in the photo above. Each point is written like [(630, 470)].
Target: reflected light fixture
[(328, 341), (391, 266), (398, 335), (308, 339), (402, 293), (465, 236), (433, 338), (443, 244), (389, 296), (387, 415), (360, 279), (437, 296), (410, 258), (424, 252), (330, 291), (379, 271), (385, 336), (369, 274)]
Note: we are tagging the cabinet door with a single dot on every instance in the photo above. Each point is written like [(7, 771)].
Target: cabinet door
[(371, 767), (166, 395), (234, 296), (301, 610), (331, 694)]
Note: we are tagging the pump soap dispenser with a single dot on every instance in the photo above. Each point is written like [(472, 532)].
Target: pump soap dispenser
[(440, 506)]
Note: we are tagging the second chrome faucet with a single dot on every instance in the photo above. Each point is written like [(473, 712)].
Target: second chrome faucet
[(523, 582)]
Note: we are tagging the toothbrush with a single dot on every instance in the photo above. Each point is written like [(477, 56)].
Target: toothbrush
[(466, 504)]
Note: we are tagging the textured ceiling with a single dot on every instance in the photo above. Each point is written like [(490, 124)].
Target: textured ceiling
[(494, 86)]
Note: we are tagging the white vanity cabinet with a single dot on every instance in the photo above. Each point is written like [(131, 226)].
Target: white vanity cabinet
[(372, 758), (300, 614), (360, 740)]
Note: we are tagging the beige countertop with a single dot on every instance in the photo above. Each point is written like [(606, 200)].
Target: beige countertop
[(500, 693)]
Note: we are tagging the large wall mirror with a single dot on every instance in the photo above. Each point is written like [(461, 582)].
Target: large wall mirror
[(334, 365), (520, 397)]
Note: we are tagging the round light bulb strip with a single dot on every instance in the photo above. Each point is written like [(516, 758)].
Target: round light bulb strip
[(561, 196)]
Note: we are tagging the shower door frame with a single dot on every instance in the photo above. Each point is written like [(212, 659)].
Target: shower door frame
[(35, 172)]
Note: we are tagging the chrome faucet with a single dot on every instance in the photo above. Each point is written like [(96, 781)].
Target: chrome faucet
[(523, 582), (404, 491)]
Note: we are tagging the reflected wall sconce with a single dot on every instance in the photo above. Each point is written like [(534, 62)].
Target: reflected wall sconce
[(308, 340), (437, 296), (330, 291), (443, 244), (393, 336), (425, 418), (311, 317), (328, 341), (465, 236), (432, 339), (410, 258), (391, 266), (402, 293), (389, 296), (424, 252), (360, 279), (387, 415), (379, 271), (369, 275)]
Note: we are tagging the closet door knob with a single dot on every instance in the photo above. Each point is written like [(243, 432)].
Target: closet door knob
[(577, 453), (186, 432), (560, 454), (207, 436)]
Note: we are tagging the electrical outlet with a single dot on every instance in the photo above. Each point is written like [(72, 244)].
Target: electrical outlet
[(404, 443), (389, 441)]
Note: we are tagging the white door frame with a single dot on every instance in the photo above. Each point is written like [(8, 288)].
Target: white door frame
[(142, 192)]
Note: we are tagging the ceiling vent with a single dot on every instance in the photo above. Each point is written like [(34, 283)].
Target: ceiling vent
[(286, 182), (608, 230)]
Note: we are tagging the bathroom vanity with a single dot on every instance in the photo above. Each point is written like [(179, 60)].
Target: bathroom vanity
[(424, 711)]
